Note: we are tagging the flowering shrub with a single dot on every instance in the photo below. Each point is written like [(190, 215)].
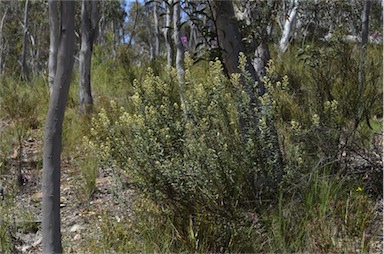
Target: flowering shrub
[(190, 159)]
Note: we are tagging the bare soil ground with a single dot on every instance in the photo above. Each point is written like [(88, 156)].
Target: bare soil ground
[(80, 215)]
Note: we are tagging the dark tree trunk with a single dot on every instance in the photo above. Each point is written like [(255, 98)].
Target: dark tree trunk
[(89, 21), (230, 42), (132, 35), (53, 132)]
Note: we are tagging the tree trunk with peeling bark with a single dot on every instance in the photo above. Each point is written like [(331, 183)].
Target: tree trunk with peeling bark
[(53, 132), (89, 22)]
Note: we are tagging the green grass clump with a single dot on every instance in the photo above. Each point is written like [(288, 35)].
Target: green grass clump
[(89, 169), (24, 102), (327, 214), (7, 241)]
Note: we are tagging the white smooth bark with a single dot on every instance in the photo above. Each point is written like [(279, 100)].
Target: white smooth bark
[(179, 52), (54, 31), (364, 43), (178, 42), (2, 46), (167, 32), (53, 132), (151, 35), (192, 38), (261, 59), (365, 23), (290, 22), (150, 42), (24, 66), (248, 12), (102, 23)]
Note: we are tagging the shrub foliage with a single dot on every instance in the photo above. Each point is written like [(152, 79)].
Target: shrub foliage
[(190, 159), (206, 178)]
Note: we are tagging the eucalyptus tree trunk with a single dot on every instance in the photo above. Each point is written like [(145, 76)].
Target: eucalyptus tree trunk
[(89, 22), (132, 35), (363, 54), (151, 35), (150, 41), (231, 44), (167, 31), (248, 13), (157, 29), (261, 58), (365, 23), (2, 42), (34, 52), (290, 22), (230, 40), (114, 40), (364, 42), (102, 22), (53, 131), (24, 66), (54, 32), (179, 53), (178, 42), (192, 38)]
